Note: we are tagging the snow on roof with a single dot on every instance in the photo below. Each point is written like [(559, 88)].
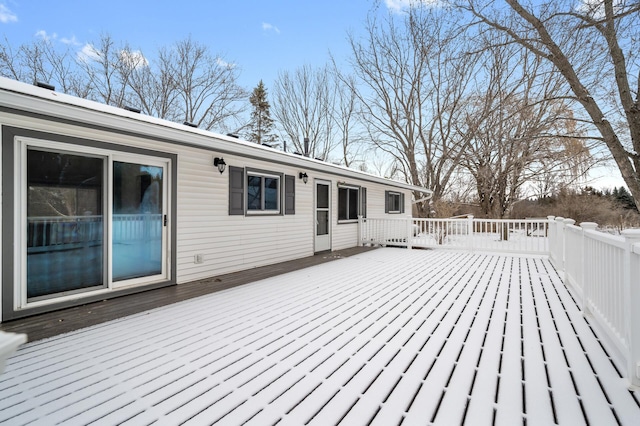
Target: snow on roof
[(30, 98)]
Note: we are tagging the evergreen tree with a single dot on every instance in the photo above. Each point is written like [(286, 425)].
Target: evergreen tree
[(261, 124), (623, 198)]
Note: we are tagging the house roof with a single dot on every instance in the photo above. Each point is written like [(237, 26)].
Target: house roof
[(44, 101)]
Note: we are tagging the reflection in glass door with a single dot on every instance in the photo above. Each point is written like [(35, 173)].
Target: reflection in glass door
[(65, 223), (137, 221)]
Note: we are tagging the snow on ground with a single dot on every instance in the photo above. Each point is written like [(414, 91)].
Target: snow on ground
[(386, 337)]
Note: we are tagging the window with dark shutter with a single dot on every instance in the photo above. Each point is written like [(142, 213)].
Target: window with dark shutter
[(263, 192), (289, 194), (393, 202), (363, 202), (236, 190), (349, 203)]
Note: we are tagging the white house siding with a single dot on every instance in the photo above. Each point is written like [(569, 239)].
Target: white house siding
[(227, 243), (232, 243), (204, 227), (345, 235)]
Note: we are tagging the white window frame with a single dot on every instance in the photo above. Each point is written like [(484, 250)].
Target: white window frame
[(393, 194), (358, 205), (262, 210)]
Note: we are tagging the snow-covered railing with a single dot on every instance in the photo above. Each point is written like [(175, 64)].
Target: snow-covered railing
[(604, 272), (503, 235)]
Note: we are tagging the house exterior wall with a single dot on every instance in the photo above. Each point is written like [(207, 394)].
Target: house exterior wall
[(231, 243), (208, 241)]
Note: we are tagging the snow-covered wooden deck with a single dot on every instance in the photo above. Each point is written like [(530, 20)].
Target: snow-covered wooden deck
[(386, 337)]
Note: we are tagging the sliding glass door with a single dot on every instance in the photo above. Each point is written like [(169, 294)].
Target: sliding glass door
[(137, 220), (91, 220), (65, 223)]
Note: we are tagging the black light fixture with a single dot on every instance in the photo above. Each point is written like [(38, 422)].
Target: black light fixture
[(304, 177), (220, 164)]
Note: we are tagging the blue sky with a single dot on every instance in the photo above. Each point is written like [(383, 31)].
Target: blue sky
[(261, 37)]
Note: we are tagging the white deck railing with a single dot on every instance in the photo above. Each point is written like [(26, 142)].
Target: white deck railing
[(505, 235), (604, 272), (47, 233), (602, 269)]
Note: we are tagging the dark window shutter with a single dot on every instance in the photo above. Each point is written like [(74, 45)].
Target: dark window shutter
[(386, 201), (236, 190), (363, 202), (289, 194), (343, 197), (402, 202)]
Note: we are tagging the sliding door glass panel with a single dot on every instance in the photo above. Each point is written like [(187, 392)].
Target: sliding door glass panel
[(65, 223), (137, 225)]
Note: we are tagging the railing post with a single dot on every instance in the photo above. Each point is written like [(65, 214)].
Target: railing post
[(584, 283), (565, 222), (409, 232), (632, 312), (470, 231), (560, 243), (360, 230), (551, 236)]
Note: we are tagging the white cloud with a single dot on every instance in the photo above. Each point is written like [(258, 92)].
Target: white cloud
[(133, 59), (268, 27), (595, 8), (72, 41), (224, 64), (6, 15), (88, 53), (398, 6), (44, 36)]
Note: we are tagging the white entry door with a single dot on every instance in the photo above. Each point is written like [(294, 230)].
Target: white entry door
[(323, 216)]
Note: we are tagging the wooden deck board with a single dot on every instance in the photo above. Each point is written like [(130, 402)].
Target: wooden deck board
[(384, 337), (65, 320)]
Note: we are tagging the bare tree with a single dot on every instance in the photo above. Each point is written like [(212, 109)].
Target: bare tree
[(108, 69), (346, 119), (153, 88), (10, 65), (184, 82), (206, 85), (304, 108), (518, 124), (567, 169), (415, 74), (41, 61), (594, 45)]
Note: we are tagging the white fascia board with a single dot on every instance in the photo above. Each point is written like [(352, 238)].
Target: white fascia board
[(33, 99)]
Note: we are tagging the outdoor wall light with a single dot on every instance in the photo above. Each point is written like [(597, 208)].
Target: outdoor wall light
[(304, 177), (220, 164)]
